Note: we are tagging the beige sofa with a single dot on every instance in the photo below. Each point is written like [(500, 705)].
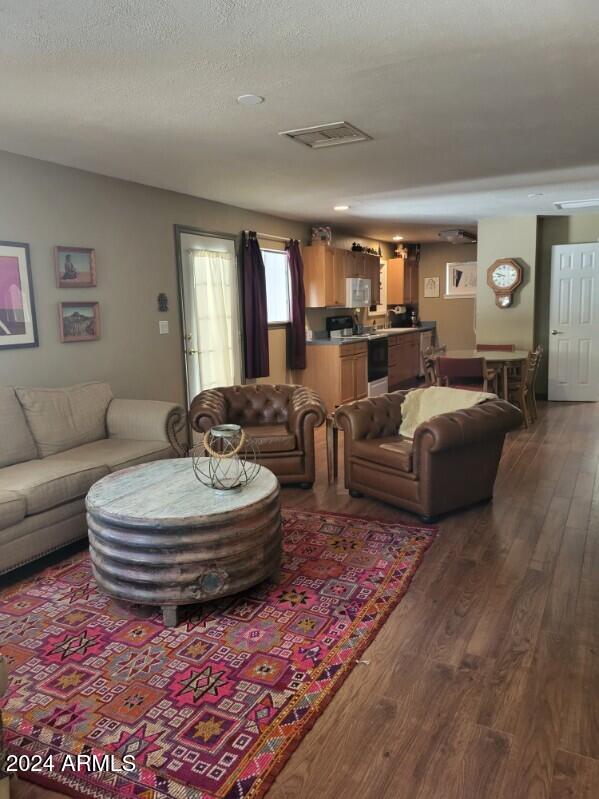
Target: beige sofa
[(54, 444)]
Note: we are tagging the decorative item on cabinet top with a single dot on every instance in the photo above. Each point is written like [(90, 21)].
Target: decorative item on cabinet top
[(322, 233)]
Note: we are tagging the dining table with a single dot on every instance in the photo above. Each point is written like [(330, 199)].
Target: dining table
[(499, 360)]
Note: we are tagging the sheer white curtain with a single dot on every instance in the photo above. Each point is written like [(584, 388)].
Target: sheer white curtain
[(216, 318)]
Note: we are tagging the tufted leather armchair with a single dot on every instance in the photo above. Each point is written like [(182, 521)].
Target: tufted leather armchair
[(451, 462), (281, 419)]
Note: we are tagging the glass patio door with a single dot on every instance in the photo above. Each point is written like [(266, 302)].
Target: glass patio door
[(210, 299)]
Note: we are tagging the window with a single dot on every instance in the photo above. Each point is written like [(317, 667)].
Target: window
[(276, 268)]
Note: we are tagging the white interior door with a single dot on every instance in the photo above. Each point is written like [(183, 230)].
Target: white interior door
[(212, 327), (574, 323)]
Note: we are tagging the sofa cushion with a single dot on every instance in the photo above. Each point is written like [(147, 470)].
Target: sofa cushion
[(271, 437), (49, 482), (12, 508), (17, 442), (63, 418), (118, 453), (392, 451)]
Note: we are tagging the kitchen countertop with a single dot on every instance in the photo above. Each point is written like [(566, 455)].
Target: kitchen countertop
[(390, 331)]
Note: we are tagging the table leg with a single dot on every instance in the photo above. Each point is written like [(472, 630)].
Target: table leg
[(335, 451), (329, 436), (332, 434), (504, 378), (170, 615)]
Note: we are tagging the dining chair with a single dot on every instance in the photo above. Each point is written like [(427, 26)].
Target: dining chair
[(534, 359), (518, 391), (429, 362), (495, 347), (469, 373)]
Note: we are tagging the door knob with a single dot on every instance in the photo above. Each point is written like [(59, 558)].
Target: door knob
[(556, 332), (192, 352)]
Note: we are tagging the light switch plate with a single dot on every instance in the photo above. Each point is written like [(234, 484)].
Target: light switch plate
[(163, 326)]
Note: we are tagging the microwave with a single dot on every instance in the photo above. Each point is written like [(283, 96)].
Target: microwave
[(357, 292)]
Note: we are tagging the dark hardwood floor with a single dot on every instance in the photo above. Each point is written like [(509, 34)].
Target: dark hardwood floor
[(484, 682)]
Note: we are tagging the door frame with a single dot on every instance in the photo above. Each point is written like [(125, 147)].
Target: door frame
[(195, 231)]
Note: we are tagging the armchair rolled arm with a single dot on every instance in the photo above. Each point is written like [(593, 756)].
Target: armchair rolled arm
[(305, 408), (207, 409), (467, 426), (146, 420)]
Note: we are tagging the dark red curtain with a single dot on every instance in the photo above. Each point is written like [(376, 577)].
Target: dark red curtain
[(254, 307), (297, 333)]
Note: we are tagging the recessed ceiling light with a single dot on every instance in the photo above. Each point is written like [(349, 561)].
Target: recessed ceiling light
[(250, 99), (397, 238), (536, 194), (564, 204), (341, 207)]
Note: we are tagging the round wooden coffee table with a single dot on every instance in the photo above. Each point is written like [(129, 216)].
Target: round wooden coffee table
[(159, 537)]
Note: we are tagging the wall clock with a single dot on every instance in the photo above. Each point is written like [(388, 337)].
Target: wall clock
[(504, 276)]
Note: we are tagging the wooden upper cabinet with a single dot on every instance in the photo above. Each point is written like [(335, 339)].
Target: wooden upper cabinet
[(402, 282), (324, 276), (354, 264), (326, 270), (373, 264)]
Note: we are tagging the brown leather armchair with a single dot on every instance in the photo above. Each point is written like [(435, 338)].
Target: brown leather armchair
[(279, 418), (451, 462)]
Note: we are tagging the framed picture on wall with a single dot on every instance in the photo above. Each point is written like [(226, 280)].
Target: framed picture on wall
[(431, 287), (460, 280), (75, 267), (18, 326), (79, 321)]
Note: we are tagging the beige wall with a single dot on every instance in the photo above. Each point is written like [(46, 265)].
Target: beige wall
[(454, 317), (131, 228), (556, 230), (507, 237)]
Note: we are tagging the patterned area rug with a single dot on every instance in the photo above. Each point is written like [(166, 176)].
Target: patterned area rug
[(214, 707)]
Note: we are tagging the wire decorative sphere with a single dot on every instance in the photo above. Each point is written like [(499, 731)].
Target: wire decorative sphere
[(226, 460)]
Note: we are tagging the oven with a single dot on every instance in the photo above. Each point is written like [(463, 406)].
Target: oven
[(378, 366)]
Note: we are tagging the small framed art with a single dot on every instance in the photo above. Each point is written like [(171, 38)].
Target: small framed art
[(431, 287), (17, 310), (79, 321), (75, 267), (460, 280)]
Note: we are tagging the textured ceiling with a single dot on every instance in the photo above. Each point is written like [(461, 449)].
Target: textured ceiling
[(472, 104)]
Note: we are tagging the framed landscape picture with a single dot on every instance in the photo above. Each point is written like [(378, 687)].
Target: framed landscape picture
[(461, 280), (79, 321), (17, 310), (75, 267)]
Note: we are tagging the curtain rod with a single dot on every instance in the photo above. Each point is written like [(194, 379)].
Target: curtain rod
[(269, 236)]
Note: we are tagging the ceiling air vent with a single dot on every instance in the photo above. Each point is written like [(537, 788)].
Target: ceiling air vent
[(329, 135)]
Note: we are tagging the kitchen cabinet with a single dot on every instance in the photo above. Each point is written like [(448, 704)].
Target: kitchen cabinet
[(324, 276), (373, 272), (404, 358), (326, 269), (402, 281), (337, 372)]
